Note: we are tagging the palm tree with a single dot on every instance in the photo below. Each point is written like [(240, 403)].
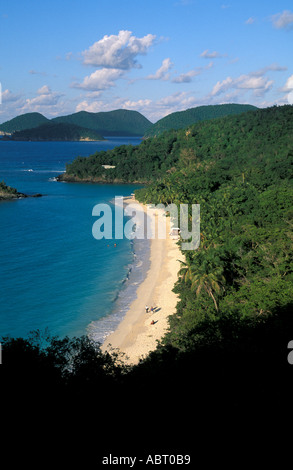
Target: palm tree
[(211, 281), (204, 275)]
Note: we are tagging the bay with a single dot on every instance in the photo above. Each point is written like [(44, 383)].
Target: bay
[(53, 273)]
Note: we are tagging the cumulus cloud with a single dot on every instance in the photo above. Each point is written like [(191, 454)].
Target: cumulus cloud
[(289, 84), (46, 99), (118, 51), (162, 72), (283, 20), (152, 109), (99, 105), (258, 84), (288, 90), (44, 90), (256, 81), (100, 80), (8, 97)]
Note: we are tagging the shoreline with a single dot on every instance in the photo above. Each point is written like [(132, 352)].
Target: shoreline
[(135, 336)]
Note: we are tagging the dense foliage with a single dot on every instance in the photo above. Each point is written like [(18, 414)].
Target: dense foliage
[(232, 147), (240, 172), (182, 119), (119, 122)]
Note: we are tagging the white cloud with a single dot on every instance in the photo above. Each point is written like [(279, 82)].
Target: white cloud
[(250, 20), (176, 102), (46, 100), (44, 90), (283, 20), (289, 84), (255, 81), (100, 80), (118, 51), (153, 110), (162, 72), (8, 97), (186, 77), (91, 107), (220, 87), (96, 106), (270, 68), (288, 89), (211, 55)]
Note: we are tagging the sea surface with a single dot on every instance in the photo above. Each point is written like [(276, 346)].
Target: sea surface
[(53, 273)]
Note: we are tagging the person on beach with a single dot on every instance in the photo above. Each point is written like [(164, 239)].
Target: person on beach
[(152, 322), (152, 309), (146, 309)]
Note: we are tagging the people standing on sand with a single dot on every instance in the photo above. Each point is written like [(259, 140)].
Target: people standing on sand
[(152, 309), (146, 309), (152, 322)]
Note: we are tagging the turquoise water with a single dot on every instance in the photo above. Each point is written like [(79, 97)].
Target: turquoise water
[(53, 273)]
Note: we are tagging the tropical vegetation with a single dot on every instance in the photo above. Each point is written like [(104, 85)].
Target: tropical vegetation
[(182, 119)]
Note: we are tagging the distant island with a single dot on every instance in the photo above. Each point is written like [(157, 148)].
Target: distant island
[(7, 193), (78, 126), (86, 126), (55, 132)]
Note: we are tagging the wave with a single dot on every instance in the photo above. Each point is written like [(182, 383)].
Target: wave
[(123, 298), (44, 171)]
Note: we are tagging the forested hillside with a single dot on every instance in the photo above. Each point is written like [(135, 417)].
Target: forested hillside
[(182, 119), (120, 122), (246, 146), (54, 132), (24, 121), (241, 175)]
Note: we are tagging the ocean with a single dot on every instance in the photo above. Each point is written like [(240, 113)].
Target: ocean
[(54, 274)]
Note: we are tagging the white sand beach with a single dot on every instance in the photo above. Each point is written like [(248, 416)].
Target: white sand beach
[(135, 335)]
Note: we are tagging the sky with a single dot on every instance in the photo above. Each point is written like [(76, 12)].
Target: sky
[(58, 57)]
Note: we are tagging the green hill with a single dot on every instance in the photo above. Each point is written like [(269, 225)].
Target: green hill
[(55, 132), (183, 119), (24, 121), (119, 122), (233, 142)]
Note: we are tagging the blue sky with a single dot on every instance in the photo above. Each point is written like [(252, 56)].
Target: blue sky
[(154, 56)]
